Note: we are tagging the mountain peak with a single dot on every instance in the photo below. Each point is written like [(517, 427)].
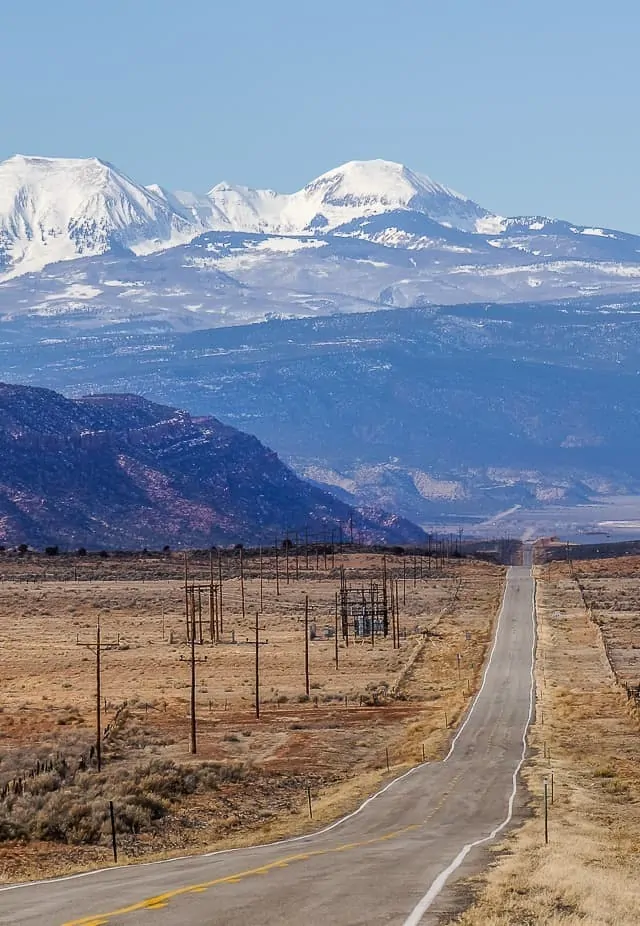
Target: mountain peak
[(54, 209), (384, 176), (359, 189), (355, 189), (48, 165)]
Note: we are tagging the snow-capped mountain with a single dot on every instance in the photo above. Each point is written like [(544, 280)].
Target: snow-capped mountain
[(357, 189), (81, 241), (57, 209)]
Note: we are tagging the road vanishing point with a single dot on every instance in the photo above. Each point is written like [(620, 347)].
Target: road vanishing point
[(394, 861)]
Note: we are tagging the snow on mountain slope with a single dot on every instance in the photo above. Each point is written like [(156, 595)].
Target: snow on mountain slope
[(364, 188), (197, 208), (54, 209), (244, 209), (58, 209), (368, 230), (354, 190)]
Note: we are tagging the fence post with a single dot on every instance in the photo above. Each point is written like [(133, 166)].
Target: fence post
[(114, 844), (546, 812)]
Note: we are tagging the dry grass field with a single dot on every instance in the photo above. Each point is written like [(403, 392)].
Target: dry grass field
[(587, 736), (250, 776)]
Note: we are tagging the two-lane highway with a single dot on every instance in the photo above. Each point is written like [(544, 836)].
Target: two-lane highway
[(386, 863)]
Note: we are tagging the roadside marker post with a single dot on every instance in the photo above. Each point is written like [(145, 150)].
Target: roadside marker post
[(546, 812), (114, 844)]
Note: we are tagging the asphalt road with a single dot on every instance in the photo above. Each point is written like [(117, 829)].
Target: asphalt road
[(387, 863)]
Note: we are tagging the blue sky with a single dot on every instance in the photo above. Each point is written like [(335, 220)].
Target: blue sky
[(524, 106)]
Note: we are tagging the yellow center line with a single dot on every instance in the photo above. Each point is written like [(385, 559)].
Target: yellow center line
[(161, 900), (445, 795)]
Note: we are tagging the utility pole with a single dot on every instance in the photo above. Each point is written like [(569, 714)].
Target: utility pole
[(98, 702), (200, 637), (374, 610), (242, 580), (286, 544), (186, 592), (277, 570), (306, 645), (97, 648), (213, 595), (393, 617), (336, 633), (261, 583), (385, 612), (257, 667), (220, 625), (193, 744)]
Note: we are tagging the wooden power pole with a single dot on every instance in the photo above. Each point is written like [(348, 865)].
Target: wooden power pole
[(193, 743), (306, 645), (220, 619), (335, 642), (242, 581), (98, 702), (97, 648), (257, 666)]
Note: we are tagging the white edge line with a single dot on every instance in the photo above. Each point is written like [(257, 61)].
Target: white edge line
[(436, 887), (292, 839)]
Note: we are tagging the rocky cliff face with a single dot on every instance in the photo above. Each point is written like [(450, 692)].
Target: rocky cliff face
[(120, 471)]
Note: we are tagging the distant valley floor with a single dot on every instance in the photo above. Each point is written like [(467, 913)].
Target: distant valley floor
[(608, 519)]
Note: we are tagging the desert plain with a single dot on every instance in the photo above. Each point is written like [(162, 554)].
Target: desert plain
[(373, 708)]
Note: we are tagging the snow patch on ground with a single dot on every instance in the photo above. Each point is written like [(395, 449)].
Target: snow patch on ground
[(75, 291)]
